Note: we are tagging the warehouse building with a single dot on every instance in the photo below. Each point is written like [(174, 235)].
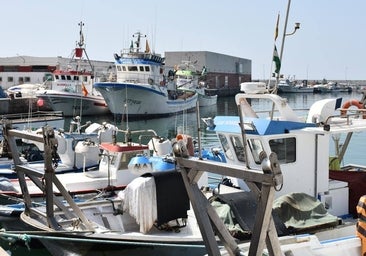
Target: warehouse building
[(224, 72)]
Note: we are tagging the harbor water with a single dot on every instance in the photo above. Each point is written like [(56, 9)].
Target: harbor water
[(187, 123)]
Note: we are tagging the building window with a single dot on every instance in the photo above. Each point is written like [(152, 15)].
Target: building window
[(285, 149), (226, 81)]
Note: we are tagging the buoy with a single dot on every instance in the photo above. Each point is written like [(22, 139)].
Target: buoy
[(40, 102), (350, 103)]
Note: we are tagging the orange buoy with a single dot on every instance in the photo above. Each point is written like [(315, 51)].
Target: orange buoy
[(350, 103)]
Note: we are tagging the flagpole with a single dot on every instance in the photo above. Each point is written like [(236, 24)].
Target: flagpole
[(274, 46), (297, 26)]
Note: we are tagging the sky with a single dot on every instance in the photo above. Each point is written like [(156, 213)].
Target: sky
[(330, 43)]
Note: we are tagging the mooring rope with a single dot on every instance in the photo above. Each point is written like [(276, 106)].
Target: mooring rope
[(26, 238)]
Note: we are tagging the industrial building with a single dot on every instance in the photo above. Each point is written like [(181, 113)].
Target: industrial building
[(224, 72), (37, 70)]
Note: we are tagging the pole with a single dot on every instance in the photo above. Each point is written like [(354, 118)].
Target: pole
[(283, 39)]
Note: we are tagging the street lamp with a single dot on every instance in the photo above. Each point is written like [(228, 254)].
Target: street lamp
[(297, 26)]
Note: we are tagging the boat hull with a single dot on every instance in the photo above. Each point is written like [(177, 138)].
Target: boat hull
[(71, 243), (293, 89), (75, 104), (143, 100), (206, 100)]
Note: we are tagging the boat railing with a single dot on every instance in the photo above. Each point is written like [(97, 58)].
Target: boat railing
[(143, 133), (38, 114), (347, 116)]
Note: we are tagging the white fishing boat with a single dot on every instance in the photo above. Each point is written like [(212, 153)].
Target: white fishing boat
[(141, 89), (77, 152), (143, 226), (303, 144), (287, 86), (21, 99), (72, 90), (187, 77), (80, 169)]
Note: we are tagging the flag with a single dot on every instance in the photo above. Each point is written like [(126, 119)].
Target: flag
[(147, 47), (84, 90), (276, 31), (277, 60)]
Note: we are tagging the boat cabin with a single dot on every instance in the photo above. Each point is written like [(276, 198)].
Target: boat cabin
[(304, 145), (137, 66), (70, 80)]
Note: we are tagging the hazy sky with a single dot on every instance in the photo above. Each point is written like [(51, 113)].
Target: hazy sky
[(330, 43)]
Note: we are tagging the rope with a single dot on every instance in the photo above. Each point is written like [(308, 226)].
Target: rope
[(10, 235)]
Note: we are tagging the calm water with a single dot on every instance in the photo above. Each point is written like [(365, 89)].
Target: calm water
[(187, 123)]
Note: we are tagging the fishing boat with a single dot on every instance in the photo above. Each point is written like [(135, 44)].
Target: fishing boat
[(77, 152), (80, 169), (21, 99), (287, 86), (152, 215), (141, 90), (187, 77), (72, 90), (29, 152), (283, 130)]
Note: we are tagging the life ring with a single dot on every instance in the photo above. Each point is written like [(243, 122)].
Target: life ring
[(355, 103)]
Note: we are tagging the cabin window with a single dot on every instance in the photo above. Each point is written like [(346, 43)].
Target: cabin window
[(68, 78), (132, 68), (57, 77), (147, 68), (126, 158), (63, 77), (27, 79), (141, 68), (85, 79), (119, 68), (1, 78), (256, 148), (285, 149), (10, 79), (238, 148), (20, 80), (226, 147), (123, 68), (76, 78)]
